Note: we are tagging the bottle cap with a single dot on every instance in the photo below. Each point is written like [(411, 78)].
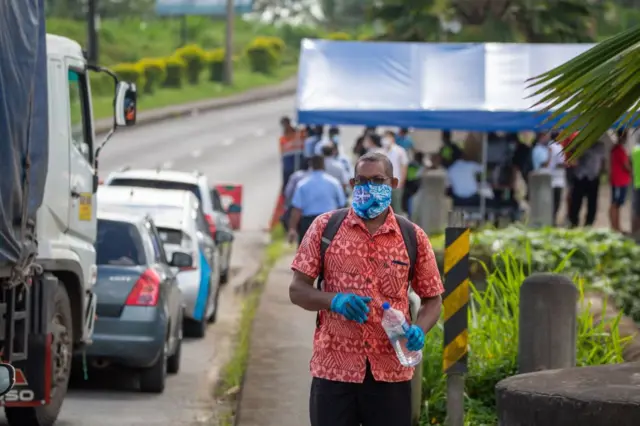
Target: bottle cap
[(386, 306)]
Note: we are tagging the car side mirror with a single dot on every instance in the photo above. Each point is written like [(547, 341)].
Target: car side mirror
[(125, 105), (181, 260), (7, 378)]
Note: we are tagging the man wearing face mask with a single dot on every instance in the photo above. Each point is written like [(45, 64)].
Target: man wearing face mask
[(362, 259)]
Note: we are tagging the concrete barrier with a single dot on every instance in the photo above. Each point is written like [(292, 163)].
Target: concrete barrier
[(586, 396), (431, 203), (540, 199)]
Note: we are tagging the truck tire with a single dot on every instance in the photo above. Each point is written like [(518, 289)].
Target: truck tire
[(61, 327)]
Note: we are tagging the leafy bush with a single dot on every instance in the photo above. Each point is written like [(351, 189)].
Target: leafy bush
[(215, 61), (294, 34), (339, 36), (493, 345), (195, 58), (175, 69), (133, 73), (101, 84), (263, 58), (277, 44), (608, 261), (154, 71)]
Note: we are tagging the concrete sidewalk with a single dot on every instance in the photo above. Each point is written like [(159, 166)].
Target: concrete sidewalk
[(277, 382)]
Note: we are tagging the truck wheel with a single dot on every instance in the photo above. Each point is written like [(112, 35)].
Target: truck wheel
[(61, 354), (152, 379)]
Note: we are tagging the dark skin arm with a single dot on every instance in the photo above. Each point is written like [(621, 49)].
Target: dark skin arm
[(429, 313), (294, 221), (304, 294)]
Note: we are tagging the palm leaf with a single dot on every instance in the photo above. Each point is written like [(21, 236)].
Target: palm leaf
[(595, 90)]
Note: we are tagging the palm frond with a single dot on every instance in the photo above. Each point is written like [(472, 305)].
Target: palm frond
[(595, 90)]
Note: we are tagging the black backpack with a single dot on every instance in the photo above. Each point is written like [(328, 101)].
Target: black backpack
[(333, 225)]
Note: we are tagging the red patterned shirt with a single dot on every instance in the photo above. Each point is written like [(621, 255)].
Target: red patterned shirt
[(376, 266)]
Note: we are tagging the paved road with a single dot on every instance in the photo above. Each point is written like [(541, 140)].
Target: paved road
[(236, 146)]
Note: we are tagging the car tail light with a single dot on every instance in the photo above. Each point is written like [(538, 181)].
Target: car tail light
[(146, 290), (212, 224)]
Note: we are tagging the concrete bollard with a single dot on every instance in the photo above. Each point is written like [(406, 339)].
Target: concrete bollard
[(547, 333), (430, 205), (540, 199)]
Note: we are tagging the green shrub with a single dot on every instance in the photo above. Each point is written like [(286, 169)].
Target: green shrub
[(215, 61), (133, 73), (294, 34), (195, 59), (607, 260), (339, 36), (263, 58), (493, 345), (154, 72), (175, 70), (102, 84), (276, 43)]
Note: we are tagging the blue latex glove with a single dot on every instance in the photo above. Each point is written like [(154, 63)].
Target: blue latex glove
[(415, 338), (351, 306)]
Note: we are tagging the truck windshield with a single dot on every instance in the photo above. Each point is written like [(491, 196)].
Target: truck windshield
[(119, 243), (157, 184)]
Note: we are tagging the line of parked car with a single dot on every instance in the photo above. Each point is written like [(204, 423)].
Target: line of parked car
[(163, 248)]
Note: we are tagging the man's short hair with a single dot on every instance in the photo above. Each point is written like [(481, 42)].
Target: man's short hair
[(376, 157), (317, 162), (327, 149)]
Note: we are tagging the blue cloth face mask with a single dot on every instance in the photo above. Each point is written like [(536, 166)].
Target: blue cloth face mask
[(370, 200)]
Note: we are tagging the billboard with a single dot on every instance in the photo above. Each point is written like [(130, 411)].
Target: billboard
[(201, 7)]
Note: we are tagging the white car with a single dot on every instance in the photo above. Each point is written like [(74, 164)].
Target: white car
[(182, 227), (196, 183)]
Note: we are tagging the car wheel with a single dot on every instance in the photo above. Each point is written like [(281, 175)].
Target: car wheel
[(173, 363), (152, 379), (214, 315), (224, 277), (61, 355), (196, 329)]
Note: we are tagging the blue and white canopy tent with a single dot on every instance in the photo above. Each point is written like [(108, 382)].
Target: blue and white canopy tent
[(459, 86)]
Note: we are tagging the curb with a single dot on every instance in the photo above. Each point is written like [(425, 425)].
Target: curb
[(264, 93)]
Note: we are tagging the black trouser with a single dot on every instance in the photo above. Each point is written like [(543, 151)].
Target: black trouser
[(557, 199), (584, 188), (303, 226), (370, 403)]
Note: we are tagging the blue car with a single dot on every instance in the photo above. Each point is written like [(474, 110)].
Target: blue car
[(140, 307)]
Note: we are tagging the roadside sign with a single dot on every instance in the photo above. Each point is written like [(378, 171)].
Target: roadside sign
[(201, 7), (231, 197)]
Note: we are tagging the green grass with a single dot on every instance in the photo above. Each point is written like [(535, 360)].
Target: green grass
[(233, 372), (128, 40), (243, 80)]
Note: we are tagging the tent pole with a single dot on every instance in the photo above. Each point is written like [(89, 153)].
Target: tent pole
[(483, 179)]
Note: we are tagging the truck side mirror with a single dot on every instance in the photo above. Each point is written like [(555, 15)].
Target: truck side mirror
[(125, 104)]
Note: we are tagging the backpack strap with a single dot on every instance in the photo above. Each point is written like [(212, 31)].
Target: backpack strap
[(330, 231), (410, 241)]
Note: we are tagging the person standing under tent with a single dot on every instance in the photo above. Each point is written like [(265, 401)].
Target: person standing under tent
[(463, 176), (357, 377), (403, 139), (449, 152), (587, 184), (314, 136), (333, 166), (359, 148), (316, 194), (291, 150), (619, 177), (400, 161), (558, 175), (414, 173)]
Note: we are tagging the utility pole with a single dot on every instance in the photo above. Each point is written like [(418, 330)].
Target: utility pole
[(228, 45), (92, 31)]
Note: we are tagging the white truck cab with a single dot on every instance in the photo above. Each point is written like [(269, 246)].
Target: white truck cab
[(66, 228)]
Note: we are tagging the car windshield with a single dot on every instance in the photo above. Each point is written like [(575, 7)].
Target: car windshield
[(119, 243), (157, 184)]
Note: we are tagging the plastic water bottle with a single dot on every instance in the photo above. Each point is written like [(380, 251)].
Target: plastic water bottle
[(396, 326)]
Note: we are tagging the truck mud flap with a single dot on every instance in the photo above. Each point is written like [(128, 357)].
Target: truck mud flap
[(33, 376)]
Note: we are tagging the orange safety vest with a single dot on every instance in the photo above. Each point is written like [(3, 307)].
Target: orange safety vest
[(291, 144)]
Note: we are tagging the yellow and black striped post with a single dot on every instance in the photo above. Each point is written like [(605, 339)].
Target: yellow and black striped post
[(456, 301)]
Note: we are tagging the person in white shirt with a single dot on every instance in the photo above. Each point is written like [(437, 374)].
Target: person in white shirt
[(400, 161), (556, 167), (463, 179)]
